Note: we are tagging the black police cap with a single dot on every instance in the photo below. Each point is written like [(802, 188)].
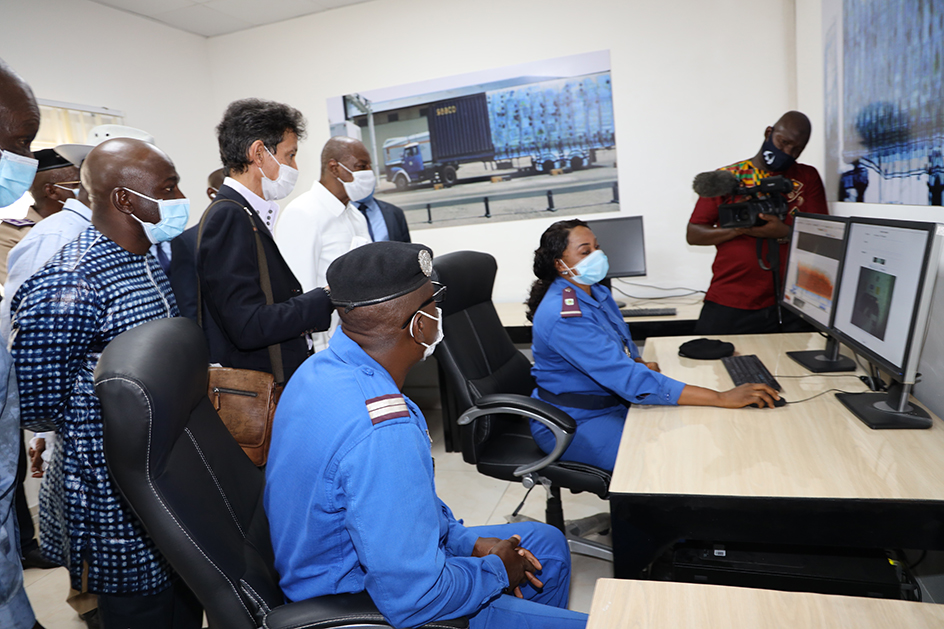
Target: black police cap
[(378, 272), (49, 160)]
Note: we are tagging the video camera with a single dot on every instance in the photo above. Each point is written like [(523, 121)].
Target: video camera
[(766, 198)]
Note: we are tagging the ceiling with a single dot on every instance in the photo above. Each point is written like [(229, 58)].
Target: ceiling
[(219, 17)]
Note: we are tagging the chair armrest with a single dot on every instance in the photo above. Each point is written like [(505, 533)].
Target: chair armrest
[(339, 610), (561, 425)]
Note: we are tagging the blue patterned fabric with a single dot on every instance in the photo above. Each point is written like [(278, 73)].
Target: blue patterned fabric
[(91, 291), (15, 610)]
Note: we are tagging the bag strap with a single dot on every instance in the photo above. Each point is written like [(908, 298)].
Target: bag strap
[(275, 350)]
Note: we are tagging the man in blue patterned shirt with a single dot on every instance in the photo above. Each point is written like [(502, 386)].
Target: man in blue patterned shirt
[(92, 290)]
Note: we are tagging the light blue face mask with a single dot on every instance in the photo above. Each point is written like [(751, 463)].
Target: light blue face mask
[(591, 269), (16, 176), (174, 215)]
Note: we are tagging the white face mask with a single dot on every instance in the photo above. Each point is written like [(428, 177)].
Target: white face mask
[(275, 189), (74, 191), (430, 347), (362, 186)]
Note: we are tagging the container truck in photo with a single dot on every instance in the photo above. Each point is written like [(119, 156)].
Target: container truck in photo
[(558, 123)]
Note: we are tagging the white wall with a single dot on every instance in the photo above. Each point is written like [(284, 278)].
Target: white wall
[(695, 85), (82, 52)]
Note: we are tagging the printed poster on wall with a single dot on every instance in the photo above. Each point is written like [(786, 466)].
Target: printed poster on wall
[(884, 70), (509, 143)]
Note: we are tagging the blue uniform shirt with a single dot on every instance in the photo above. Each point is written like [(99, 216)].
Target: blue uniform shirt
[(588, 354), (351, 499)]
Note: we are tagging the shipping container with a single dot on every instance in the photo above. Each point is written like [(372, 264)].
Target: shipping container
[(459, 129)]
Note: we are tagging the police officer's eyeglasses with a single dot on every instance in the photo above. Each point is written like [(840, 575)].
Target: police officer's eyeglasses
[(439, 295)]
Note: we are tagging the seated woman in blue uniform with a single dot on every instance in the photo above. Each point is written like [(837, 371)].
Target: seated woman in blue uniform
[(585, 361)]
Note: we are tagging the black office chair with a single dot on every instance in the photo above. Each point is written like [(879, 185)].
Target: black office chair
[(197, 494), (492, 384)]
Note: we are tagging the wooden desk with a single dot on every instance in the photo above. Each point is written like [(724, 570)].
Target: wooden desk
[(807, 473), (513, 318), (665, 605)]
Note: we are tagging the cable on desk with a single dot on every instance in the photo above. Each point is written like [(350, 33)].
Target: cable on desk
[(822, 375), (690, 290), (624, 293), (813, 397)]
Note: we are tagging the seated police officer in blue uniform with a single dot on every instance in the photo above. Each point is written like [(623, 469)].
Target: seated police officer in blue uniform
[(350, 490), (585, 361)]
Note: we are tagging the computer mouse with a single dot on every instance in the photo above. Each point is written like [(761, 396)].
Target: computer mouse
[(777, 403)]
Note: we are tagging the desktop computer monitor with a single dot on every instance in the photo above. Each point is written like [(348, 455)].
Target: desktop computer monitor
[(811, 277), (622, 241), (882, 310)]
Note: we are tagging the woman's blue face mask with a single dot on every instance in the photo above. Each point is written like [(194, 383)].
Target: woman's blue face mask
[(591, 269)]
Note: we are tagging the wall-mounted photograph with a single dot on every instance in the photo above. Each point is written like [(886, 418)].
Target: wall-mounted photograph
[(884, 101), (509, 143)]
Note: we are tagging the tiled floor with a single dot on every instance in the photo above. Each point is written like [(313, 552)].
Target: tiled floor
[(473, 497)]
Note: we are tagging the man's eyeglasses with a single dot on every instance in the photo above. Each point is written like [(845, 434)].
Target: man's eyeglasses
[(439, 295)]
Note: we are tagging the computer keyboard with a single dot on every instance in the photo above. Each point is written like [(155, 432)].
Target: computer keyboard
[(744, 369), (648, 312)]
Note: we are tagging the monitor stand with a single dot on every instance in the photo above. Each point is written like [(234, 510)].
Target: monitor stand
[(886, 410), (826, 360)]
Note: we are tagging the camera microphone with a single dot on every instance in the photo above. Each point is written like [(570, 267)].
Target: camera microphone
[(715, 183)]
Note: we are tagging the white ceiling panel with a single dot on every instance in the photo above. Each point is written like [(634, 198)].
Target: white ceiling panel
[(149, 8), (256, 12), (202, 21), (219, 17)]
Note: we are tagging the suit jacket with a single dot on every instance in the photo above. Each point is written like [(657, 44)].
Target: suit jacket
[(395, 220), (238, 323), (183, 272)]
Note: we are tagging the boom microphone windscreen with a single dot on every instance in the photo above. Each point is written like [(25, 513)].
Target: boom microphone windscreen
[(715, 183)]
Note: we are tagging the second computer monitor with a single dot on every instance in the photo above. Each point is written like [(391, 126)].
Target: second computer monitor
[(622, 241), (883, 304), (882, 311), (811, 279)]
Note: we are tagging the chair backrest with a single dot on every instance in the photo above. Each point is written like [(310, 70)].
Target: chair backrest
[(196, 492), (477, 354)]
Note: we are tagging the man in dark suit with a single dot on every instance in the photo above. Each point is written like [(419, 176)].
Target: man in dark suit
[(393, 226), (183, 261), (258, 142)]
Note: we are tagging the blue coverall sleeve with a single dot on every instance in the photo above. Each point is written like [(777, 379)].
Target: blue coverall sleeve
[(579, 341), (396, 523), (459, 540)]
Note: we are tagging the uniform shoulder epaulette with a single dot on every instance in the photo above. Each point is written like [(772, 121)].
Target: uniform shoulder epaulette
[(386, 407), (570, 307), (19, 222)]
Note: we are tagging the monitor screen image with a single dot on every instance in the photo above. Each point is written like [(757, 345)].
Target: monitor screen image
[(622, 241), (813, 264), (873, 301), (880, 289)]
